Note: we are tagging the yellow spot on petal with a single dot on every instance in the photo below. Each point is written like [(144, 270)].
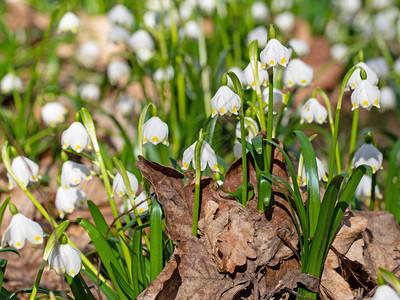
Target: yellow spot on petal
[(264, 82), (376, 102), (185, 165), (87, 176), (262, 65), (37, 239), (303, 81), (213, 111), (65, 28), (271, 62), (222, 110), (76, 181), (253, 84), (121, 193), (374, 169), (72, 272), (65, 145), (354, 105), (290, 82), (141, 210), (353, 85), (52, 124), (309, 119), (9, 184), (368, 193), (82, 202), (112, 192), (60, 118), (23, 183), (319, 119), (19, 244), (365, 103), (234, 109), (89, 146), (66, 187), (283, 60), (308, 107), (164, 141), (58, 271), (325, 177), (78, 148), (69, 208), (145, 140), (305, 180), (34, 177), (215, 167), (155, 139)]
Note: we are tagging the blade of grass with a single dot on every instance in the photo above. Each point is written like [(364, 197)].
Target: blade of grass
[(156, 253)]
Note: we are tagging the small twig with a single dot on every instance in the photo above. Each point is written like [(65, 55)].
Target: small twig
[(288, 243), (276, 288)]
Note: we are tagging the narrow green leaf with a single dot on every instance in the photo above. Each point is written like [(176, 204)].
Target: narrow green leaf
[(313, 200), (390, 278), (3, 265), (156, 253), (257, 143), (392, 193), (98, 217), (107, 291), (10, 250), (77, 287), (138, 268), (124, 285), (3, 208)]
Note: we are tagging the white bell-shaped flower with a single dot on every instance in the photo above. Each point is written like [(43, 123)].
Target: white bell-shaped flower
[(281, 5), (186, 9), (249, 77), (379, 66), (90, 91), (239, 74), (119, 188), (275, 55), (355, 78), (142, 45), (363, 190), (207, 156), (65, 259), (25, 170), (116, 70), (313, 111), (207, 6), (260, 12), (260, 34), (365, 95), (22, 228), (192, 30), (141, 209), (297, 73), (164, 75), (277, 97), (320, 169), (339, 52), (88, 54), (53, 113), (155, 131), (76, 137), (73, 173), (9, 83), (126, 104), (68, 199), (388, 99), (385, 292), (367, 154), (120, 15), (251, 129), (225, 101), (69, 22), (118, 34), (285, 21), (300, 47)]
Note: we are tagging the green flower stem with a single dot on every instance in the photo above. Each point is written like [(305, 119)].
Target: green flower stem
[(197, 155), (280, 114), (353, 138), (336, 129), (140, 125), (270, 117), (331, 125), (180, 81), (372, 202), (205, 71), (88, 123), (244, 154)]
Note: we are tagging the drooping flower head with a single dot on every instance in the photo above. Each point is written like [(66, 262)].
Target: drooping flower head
[(155, 131), (297, 73), (225, 101), (125, 104), (90, 91), (300, 47), (119, 188), (65, 259), (251, 128), (118, 34), (363, 190), (25, 170), (260, 12), (88, 54), (388, 99), (164, 74), (385, 292), (367, 154), (68, 199), (260, 33), (69, 22), (207, 156), (76, 137), (192, 30), (142, 45), (239, 74), (141, 209), (9, 83), (73, 173), (116, 70), (275, 55), (313, 111), (249, 77), (120, 15), (365, 95), (277, 97), (355, 78), (53, 113), (321, 171), (22, 228)]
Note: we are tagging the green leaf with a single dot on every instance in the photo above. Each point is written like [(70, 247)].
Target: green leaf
[(265, 191), (313, 200), (257, 143), (126, 288), (77, 285), (390, 278), (392, 194), (3, 265), (138, 268), (156, 252), (55, 236), (10, 250), (107, 291), (98, 217), (236, 83), (3, 208), (250, 192)]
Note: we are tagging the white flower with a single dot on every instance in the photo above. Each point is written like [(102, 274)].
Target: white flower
[(321, 172), (142, 44), (280, 5), (73, 173), (365, 95), (260, 11), (25, 170), (388, 99), (116, 70), (68, 199), (22, 228), (120, 15), (53, 113), (300, 47), (155, 131), (225, 101), (207, 6), (237, 150), (207, 156), (10, 82), (90, 91), (379, 66), (240, 75), (150, 19), (380, 4), (69, 22), (355, 78), (348, 7), (363, 190), (385, 23), (277, 97), (126, 104), (141, 209), (385, 292), (249, 77), (313, 111), (186, 9), (367, 154), (396, 66), (297, 73), (65, 259), (119, 188), (76, 137), (118, 34), (275, 55), (339, 52), (252, 130), (260, 34), (285, 21), (192, 30), (88, 54), (164, 75)]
